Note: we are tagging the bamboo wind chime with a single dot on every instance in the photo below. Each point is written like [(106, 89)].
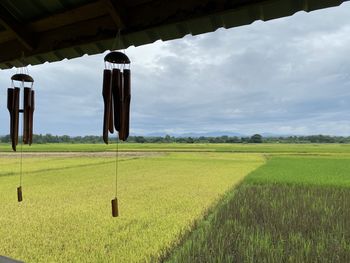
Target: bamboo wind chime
[(13, 106), (116, 96)]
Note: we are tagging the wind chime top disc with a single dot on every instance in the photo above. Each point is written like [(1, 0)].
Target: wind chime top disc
[(22, 77), (117, 57)]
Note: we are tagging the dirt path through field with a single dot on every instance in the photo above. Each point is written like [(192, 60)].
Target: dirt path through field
[(78, 154)]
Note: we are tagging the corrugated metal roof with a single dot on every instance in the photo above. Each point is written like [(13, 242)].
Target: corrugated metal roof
[(245, 15)]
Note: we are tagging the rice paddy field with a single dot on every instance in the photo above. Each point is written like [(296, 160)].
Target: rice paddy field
[(178, 203), (187, 147)]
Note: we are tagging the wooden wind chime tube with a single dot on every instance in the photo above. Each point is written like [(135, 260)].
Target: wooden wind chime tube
[(116, 79), (115, 212), (31, 113), (10, 107), (116, 94), (124, 134), (106, 93), (13, 106), (26, 114), (13, 96), (19, 194)]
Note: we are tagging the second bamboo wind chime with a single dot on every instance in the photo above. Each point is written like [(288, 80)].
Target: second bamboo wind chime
[(116, 96), (21, 81)]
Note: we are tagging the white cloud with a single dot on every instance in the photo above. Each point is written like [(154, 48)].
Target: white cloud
[(286, 76)]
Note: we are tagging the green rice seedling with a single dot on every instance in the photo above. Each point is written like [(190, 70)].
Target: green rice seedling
[(292, 209)]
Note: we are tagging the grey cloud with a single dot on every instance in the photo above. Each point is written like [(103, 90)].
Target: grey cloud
[(285, 76)]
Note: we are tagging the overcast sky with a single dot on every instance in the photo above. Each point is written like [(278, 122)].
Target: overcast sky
[(285, 76)]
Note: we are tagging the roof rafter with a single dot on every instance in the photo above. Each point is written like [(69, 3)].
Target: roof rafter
[(115, 10), (68, 17), (67, 36), (23, 36)]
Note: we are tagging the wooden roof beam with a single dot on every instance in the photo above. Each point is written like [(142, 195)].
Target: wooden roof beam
[(68, 17), (18, 30), (76, 34), (116, 11)]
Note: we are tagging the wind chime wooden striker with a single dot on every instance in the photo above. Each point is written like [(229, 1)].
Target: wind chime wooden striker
[(116, 95), (24, 82)]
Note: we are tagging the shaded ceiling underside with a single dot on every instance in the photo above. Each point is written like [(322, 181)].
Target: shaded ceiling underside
[(34, 32)]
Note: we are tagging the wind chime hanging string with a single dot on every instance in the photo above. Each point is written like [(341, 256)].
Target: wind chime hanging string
[(20, 81), (116, 96)]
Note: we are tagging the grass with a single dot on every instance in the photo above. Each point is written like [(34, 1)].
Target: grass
[(183, 147), (192, 204), (66, 213), (311, 170), (292, 209)]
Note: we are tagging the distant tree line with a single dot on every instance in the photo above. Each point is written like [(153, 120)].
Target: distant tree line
[(256, 138), (308, 139), (49, 138)]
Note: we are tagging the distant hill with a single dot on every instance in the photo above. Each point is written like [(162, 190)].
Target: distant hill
[(195, 135)]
